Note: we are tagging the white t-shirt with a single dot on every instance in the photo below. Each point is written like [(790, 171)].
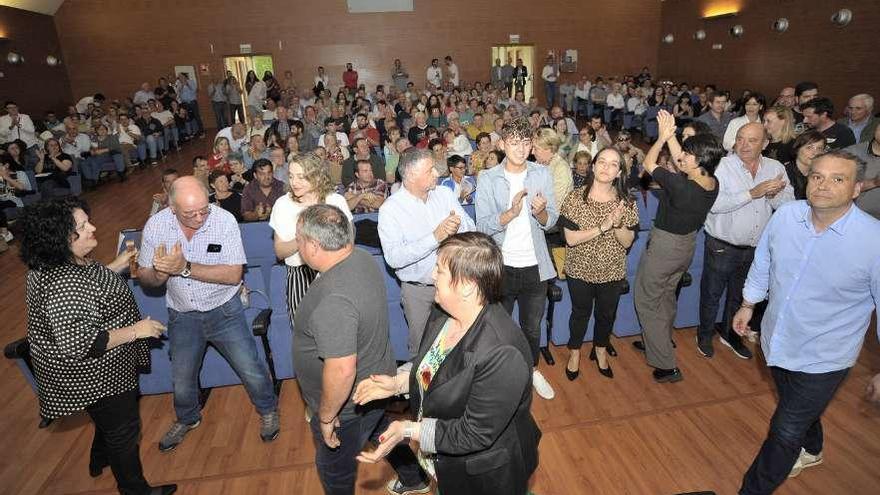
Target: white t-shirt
[(452, 71), (127, 135), (341, 139), (164, 116), (518, 249), (285, 213)]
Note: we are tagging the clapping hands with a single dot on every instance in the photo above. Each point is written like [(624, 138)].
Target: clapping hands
[(665, 126)]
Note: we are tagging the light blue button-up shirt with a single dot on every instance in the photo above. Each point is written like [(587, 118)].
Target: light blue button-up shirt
[(406, 231), (493, 198), (822, 287), (187, 91)]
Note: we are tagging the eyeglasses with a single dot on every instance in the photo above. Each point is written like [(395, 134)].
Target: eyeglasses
[(192, 214)]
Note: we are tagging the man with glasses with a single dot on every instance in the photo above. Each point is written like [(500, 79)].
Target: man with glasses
[(515, 205), (195, 250)]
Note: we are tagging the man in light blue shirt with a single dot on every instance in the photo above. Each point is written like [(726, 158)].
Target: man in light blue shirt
[(819, 260), (412, 223), (516, 205), (186, 90)]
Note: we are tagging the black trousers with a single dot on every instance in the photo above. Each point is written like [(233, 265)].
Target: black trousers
[(117, 433), (584, 297), (524, 287), (4, 222)]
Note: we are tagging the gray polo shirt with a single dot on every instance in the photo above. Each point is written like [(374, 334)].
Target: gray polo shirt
[(719, 127), (868, 201)]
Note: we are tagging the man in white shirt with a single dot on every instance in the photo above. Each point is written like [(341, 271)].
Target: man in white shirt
[(236, 135), (516, 205), (452, 74), (129, 136), (167, 119), (82, 106), (550, 75), (144, 94), (332, 127), (322, 82), (582, 97), (616, 103), (412, 223), (15, 125), (434, 75), (751, 187)]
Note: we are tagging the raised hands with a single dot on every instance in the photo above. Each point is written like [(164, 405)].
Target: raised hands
[(665, 126), (171, 263), (448, 227)]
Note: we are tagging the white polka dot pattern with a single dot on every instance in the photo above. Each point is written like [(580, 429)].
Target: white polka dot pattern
[(67, 307)]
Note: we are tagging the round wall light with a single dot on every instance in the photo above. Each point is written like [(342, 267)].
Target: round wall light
[(668, 39), (14, 58), (780, 25), (52, 61), (842, 17), (700, 35), (737, 31)]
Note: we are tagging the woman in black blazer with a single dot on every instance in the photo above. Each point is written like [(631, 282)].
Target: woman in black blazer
[(470, 384)]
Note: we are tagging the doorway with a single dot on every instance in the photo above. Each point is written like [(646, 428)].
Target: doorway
[(240, 65), (513, 52)]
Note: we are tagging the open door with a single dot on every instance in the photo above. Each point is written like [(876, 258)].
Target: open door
[(240, 65), (511, 53)]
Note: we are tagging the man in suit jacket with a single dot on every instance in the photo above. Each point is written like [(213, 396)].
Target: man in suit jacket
[(496, 75), (520, 74), (507, 74)]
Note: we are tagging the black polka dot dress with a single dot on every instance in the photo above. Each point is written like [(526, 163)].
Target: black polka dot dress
[(68, 307)]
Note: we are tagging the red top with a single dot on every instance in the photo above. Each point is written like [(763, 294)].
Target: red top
[(350, 79), (218, 161)]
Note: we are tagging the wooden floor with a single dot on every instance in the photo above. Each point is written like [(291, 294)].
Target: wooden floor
[(621, 436)]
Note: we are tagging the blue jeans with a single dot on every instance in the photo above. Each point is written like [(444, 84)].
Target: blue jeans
[(524, 286), (193, 108), (796, 424), (172, 137), (220, 113), (337, 468), (226, 329), (93, 166), (725, 266), (550, 93)]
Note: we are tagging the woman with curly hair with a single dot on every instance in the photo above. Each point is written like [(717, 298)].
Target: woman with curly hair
[(310, 184), (86, 336)]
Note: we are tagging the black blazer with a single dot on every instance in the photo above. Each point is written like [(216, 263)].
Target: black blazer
[(486, 439)]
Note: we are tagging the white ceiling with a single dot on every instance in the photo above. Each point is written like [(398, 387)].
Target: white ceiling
[(48, 7)]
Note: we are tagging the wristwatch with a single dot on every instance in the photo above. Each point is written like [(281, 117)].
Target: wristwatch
[(187, 270)]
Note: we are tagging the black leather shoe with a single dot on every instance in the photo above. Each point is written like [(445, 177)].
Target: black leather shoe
[(163, 490), (611, 350), (639, 345), (662, 376), (95, 469), (571, 375)]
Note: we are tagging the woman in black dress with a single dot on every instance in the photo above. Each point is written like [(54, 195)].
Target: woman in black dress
[(223, 195), (86, 337)]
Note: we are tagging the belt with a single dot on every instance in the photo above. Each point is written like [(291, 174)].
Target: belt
[(419, 284), (731, 245)]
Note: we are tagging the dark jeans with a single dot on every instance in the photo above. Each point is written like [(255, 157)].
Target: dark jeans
[(219, 108), (803, 398), (117, 433), (236, 110), (193, 108), (337, 468), (550, 89), (584, 295), (524, 286), (725, 266)]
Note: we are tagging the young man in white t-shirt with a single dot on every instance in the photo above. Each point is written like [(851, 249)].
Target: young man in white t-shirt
[(516, 205)]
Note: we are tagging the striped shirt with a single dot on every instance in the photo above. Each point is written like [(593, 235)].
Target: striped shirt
[(218, 242)]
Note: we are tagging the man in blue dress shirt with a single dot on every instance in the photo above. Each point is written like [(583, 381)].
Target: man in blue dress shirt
[(819, 260)]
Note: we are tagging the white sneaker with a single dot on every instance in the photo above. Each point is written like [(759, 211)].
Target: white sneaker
[(542, 386), (805, 460), (7, 236)]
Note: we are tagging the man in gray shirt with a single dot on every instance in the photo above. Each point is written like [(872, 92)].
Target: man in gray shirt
[(717, 118), (340, 337), (869, 199)]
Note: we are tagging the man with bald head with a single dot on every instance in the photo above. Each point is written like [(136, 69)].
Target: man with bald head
[(194, 248), (751, 187)]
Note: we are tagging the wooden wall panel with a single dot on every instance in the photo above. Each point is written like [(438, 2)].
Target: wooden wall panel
[(843, 61), (35, 86), (112, 45)]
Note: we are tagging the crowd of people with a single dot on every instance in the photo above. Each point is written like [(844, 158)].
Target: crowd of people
[(779, 189)]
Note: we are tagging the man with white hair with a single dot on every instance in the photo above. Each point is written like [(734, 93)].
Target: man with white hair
[(860, 117), (412, 223)]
